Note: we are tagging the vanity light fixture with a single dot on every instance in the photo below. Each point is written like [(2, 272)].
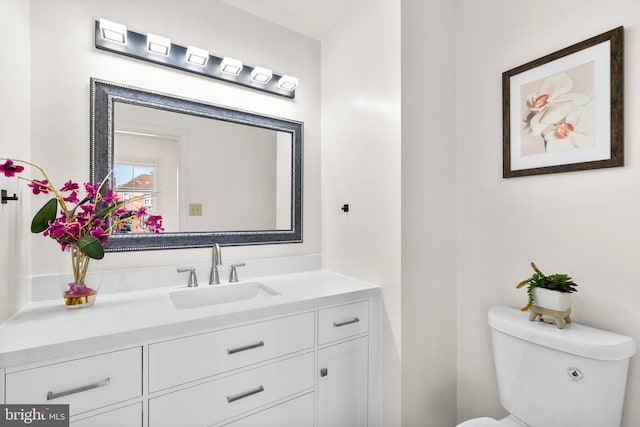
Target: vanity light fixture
[(115, 38), (197, 56), (113, 31), (158, 44), (287, 82), (231, 66), (261, 75)]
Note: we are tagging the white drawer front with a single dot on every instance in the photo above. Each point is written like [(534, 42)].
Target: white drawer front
[(294, 413), (187, 359), (129, 416), (218, 400), (343, 321), (84, 384)]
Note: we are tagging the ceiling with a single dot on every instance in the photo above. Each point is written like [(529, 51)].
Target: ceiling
[(313, 18)]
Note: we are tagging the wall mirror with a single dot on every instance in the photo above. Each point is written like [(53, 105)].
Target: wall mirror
[(219, 175)]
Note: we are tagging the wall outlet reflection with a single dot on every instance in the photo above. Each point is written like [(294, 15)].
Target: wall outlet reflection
[(195, 209)]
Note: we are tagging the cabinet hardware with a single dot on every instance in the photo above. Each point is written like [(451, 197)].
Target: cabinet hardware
[(324, 372), (348, 322), (51, 395), (257, 390), (245, 348)]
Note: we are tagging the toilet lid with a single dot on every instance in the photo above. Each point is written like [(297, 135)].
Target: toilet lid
[(481, 422)]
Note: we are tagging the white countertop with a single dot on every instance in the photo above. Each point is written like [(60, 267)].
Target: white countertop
[(47, 329)]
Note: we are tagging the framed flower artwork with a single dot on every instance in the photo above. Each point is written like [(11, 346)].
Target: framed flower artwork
[(564, 112)]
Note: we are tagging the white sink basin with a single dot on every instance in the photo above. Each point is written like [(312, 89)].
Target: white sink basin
[(220, 294)]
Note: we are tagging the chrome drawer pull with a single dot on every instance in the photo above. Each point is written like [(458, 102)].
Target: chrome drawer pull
[(348, 322), (231, 399), (51, 395), (245, 348)]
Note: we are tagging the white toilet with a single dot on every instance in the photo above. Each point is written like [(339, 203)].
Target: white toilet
[(550, 377)]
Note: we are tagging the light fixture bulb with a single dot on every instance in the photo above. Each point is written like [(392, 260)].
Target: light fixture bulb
[(287, 82), (158, 44), (197, 56), (231, 66), (261, 75), (113, 31)]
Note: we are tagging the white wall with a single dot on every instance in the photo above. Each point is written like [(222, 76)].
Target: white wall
[(581, 223), (284, 153), (429, 222), (15, 142), (361, 165), (60, 84)]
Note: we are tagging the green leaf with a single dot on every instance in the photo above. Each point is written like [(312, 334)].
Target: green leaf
[(91, 247), (103, 213), (81, 202), (46, 213)]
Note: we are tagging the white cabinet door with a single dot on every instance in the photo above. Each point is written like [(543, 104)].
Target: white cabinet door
[(343, 384)]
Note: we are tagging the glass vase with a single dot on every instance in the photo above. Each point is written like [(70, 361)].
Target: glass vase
[(83, 289)]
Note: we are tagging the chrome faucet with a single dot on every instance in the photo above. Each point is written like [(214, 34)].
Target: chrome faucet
[(193, 279), (233, 276), (216, 261)]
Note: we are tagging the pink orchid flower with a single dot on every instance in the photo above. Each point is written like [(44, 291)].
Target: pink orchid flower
[(9, 169)]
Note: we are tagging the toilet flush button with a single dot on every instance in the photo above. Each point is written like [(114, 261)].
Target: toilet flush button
[(575, 374)]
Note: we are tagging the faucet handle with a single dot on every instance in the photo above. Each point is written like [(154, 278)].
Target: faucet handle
[(233, 276), (193, 279)]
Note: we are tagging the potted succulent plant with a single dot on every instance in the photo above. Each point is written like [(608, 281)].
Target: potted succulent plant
[(548, 292)]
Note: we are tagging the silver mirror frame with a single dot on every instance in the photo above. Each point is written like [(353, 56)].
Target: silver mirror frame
[(103, 96)]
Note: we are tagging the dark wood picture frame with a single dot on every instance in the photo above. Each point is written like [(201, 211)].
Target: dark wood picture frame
[(611, 148)]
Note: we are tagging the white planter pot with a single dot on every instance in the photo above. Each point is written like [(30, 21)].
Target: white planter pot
[(553, 300)]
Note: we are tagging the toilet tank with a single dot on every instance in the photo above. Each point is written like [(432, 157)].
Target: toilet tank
[(550, 377)]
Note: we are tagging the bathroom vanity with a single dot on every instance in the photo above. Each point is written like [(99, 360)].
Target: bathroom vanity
[(304, 354)]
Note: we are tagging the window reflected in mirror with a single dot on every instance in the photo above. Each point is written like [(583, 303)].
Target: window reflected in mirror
[(130, 181)]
